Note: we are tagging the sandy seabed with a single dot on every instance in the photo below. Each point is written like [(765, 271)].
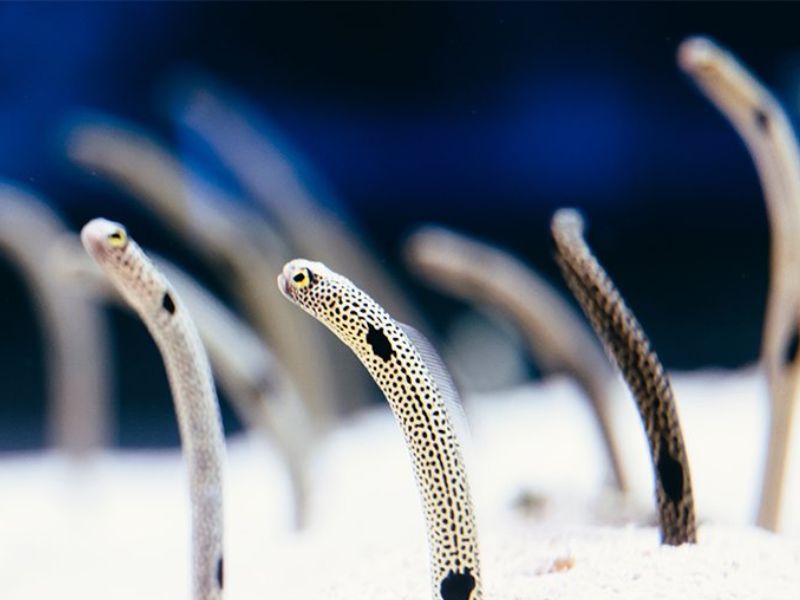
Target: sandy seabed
[(117, 527)]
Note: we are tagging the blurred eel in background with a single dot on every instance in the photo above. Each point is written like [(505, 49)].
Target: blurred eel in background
[(75, 345), (234, 239), (316, 226), (766, 131), (628, 346), (271, 178), (258, 387), (557, 337)]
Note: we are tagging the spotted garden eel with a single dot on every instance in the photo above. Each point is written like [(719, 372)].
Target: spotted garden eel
[(189, 374), (763, 125), (628, 346), (418, 389), (557, 336)]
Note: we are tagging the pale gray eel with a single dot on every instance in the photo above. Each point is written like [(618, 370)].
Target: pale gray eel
[(249, 374), (189, 374), (767, 132)]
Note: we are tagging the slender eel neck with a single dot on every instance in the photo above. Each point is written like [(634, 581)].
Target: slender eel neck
[(202, 440), (628, 346), (416, 399)]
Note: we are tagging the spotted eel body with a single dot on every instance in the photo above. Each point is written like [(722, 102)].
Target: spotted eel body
[(202, 438), (628, 346), (417, 399), (766, 131)]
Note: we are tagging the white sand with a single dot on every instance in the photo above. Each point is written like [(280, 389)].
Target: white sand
[(118, 528)]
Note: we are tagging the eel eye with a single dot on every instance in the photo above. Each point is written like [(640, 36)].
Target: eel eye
[(302, 278), (118, 238)]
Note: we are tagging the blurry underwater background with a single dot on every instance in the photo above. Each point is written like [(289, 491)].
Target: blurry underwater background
[(484, 118)]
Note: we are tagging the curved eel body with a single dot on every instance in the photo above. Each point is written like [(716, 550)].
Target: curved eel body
[(763, 125), (628, 346), (418, 400), (79, 419), (196, 406), (248, 373), (557, 337)]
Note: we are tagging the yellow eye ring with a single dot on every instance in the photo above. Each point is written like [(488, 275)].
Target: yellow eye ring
[(301, 279), (118, 238)]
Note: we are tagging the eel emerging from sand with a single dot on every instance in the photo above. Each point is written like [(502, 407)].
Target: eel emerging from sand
[(765, 129), (418, 390), (627, 345), (189, 373)]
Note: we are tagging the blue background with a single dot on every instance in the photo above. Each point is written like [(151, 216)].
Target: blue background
[(484, 117)]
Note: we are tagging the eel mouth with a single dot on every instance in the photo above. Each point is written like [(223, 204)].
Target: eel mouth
[(284, 287)]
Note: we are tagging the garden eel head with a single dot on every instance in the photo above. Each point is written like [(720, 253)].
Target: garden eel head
[(102, 238), (335, 301), (721, 76), (317, 290), (124, 262)]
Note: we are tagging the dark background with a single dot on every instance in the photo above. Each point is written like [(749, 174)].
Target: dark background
[(484, 117)]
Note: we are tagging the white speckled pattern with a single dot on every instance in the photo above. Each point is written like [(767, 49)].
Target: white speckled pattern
[(397, 367)]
